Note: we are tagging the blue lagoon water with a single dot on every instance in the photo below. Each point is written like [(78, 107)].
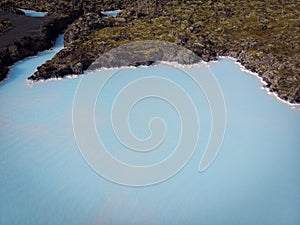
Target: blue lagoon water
[(44, 179)]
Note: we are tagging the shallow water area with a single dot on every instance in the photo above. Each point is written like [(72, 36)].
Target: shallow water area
[(45, 180)]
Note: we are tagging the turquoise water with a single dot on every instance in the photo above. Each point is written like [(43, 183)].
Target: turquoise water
[(33, 13), (44, 179), (112, 13)]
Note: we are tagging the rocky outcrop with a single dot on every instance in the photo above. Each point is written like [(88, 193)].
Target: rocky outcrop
[(10, 6), (5, 25), (85, 25), (73, 59), (30, 35)]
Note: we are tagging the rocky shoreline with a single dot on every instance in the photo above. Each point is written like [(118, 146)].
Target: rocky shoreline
[(28, 36), (263, 37)]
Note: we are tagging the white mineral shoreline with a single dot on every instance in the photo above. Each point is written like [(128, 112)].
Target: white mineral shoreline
[(293, 105)]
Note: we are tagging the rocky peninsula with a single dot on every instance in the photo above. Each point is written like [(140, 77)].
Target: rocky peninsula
[(264, 36), (22, 36)]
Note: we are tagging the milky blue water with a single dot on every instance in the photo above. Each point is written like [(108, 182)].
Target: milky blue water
[(33, 13), (44, 179), (112, 13)]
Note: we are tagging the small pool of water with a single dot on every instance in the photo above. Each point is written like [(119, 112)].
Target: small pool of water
[(33, 13), (112, 13)]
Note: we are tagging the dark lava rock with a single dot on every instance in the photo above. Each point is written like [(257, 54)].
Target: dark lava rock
[(77, 69), (29, 36)]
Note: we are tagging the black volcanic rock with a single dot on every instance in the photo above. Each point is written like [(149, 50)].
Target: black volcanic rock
[(5, 25)]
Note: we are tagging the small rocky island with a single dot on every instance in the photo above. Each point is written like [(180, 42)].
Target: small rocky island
[(264, 36)]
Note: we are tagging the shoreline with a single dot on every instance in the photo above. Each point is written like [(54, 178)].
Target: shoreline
[(205, 36), (37, 35), (49, 50), (263, 87), (176, 65)]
